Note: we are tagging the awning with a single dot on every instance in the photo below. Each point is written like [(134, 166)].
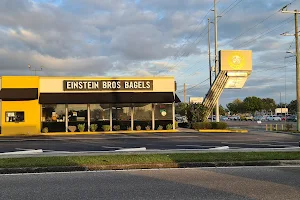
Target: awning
[(18, 94), (177, 100), (109, 97)]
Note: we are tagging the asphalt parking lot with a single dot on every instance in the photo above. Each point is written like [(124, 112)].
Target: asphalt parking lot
[(186, 139)]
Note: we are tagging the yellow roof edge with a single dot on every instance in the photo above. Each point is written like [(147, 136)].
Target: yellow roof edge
[(100, 77)]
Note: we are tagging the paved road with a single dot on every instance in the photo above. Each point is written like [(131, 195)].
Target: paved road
[(204, 183), (152, 141)]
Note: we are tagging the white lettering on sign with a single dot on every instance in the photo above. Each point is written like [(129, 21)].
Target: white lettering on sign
[(137, 85), (82, 85), (108, 85), (111, 84)]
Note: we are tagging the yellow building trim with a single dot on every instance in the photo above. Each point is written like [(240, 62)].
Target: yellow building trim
[(108, 78), (31, 108), (89, 133)]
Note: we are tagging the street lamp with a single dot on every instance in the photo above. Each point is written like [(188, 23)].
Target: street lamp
[(35, 70)]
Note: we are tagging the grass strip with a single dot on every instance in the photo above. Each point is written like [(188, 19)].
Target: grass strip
[(176, 158)]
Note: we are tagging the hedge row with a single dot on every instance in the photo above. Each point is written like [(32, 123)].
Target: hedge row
[(209, 125)]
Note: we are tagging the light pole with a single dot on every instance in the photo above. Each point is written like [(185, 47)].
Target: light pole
[(35, 70)]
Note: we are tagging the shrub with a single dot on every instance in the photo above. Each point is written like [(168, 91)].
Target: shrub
[(81, 127), (176, 124), (148, 128), (45, 130), (94, 127), (116, 127), (72, 128), (160, 127), (169, 126), (214, 125), (201, 125), (138, 128), (288, 127), (106, 127), (209, 125), (222, 125)]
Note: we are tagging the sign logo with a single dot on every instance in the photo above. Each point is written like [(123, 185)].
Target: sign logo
[(236, 61)]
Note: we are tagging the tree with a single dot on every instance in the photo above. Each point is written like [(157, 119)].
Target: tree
[(236, 106), (293, 107), (268, 104), (195, 112), (181, 109), (252, 104)]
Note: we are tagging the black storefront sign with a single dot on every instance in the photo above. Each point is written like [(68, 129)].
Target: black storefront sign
[(98, 85)]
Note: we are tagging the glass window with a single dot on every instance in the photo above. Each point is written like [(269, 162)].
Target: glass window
[(121, 112), (121, 115), (14, 116), (163, 112), (53, 113), (77, 112), (99, 112), (142, 112), (142, 116)]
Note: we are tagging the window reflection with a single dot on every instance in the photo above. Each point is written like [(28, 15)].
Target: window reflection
[(99, 112), (54, 117), (121, 115), (53, 113), (77, 112)]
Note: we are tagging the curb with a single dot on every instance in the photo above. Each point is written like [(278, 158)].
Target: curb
[(90, 133), (223, 131), (148, 166)]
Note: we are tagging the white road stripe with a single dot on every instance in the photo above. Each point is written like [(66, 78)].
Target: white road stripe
[(108, 147)]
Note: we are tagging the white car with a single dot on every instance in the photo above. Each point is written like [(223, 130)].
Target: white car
[(273, 118)]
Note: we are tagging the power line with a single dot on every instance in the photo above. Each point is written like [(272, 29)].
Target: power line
[(266, 32), (247, 31), (239, 1), (195, 85)]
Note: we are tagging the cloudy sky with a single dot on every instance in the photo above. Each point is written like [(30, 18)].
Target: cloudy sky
[(149, 38)]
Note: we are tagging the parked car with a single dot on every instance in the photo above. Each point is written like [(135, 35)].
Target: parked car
[(283, 117), (248, 118), (235, 118), (259, 118), (224, 118), (273, 118), (292, 118)]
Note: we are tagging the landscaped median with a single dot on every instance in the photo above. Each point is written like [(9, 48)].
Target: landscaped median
[(145, 161), (215, 127)]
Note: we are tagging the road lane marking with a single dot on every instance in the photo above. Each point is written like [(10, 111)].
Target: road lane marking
[(108, 147)]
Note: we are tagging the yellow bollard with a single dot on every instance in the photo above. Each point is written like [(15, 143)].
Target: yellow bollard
[(266, 127), (276, 127), (282, 127)]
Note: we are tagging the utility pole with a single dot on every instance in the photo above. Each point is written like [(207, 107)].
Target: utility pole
[(184, 92), (280, 105), (216, 55), (296, 12), (209, 61)]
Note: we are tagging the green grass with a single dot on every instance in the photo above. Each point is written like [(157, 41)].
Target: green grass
[(145, 159)]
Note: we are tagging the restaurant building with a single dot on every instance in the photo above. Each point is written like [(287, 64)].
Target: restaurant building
[(29, 104)]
